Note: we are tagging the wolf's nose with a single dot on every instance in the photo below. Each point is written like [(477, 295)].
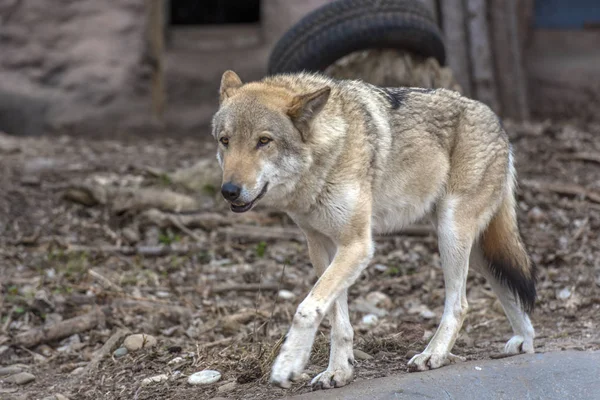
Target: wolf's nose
[(230, 191)]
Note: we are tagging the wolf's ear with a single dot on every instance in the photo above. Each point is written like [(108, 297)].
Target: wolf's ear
[(305, 107), (230, 82)]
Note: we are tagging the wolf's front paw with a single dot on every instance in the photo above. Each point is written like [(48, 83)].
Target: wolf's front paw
[(287, 369), (335, 378), (426, 361), (518, 344)]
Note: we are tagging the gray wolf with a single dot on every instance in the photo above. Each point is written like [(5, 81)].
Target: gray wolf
[(346, 159)]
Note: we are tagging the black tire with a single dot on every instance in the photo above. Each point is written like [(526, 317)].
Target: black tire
[(345, 26)]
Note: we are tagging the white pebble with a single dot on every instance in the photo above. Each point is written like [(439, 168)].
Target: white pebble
[(564, 294), (286, 295), (427, 335), (427, 313), (380, 267), (370, 319), (380, 300), (204, 377), (155, 379), (176, 360)]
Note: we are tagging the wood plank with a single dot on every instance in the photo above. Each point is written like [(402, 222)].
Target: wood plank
[(457, 51), (484, 82), (509, 70)]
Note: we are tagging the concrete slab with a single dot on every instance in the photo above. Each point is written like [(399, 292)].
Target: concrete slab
[(545, 376)]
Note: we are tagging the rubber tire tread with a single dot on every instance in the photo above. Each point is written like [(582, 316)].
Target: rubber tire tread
[(344, 26)]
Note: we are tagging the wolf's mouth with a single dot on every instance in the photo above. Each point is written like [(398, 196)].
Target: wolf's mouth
[(243, 207)]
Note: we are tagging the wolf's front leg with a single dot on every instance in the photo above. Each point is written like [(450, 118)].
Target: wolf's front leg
[(353, 255), (340, 370)]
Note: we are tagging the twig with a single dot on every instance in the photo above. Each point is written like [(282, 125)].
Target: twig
[(257, 233), (148, 251), (249, 232), (563, 188), (108, 284), (105, 350), (267, 322), (583, 156), (172, 310), (176, 220), (217, 343), (247, 287), (59, 330)]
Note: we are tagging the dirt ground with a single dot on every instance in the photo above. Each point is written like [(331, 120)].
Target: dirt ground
[(220, 295)]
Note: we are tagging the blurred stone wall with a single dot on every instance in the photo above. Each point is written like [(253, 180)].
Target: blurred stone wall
[(65, 64)]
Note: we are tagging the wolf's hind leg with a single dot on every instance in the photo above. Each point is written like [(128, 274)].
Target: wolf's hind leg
[(456, 231), (522, 341)]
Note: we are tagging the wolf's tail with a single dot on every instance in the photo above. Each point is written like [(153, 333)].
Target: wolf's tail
[(505, 252)]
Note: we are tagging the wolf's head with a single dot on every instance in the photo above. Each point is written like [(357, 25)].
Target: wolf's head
[(262, 132)]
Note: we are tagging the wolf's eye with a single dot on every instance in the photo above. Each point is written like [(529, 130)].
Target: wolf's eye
[(263, 141), (224, 141)]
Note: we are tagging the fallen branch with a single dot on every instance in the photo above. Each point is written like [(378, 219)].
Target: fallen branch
[(105, 350), (591, 157), (217, 343), (206, 221), (107, 283), (59, 330), (122, 199), (571, 189), (171, 310), (147, 251), (260, 233), (245, 287)]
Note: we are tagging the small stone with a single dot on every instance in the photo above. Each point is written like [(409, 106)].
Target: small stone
[(380, 267), (131, 235), (370, 319), (21, 378), (120, 352), (303, 377), (155, 379), (45, 350), (71, 343), (286, 295), (361, 355), (426, 313), (478, 368), (60, 397), (77, 371), (176, 360), (379, 299), (12, 369), (363, 306), (139, 341), (228, 387), (170, 331), (204, 377), (427, 335), (564, 294), (536, 215)]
